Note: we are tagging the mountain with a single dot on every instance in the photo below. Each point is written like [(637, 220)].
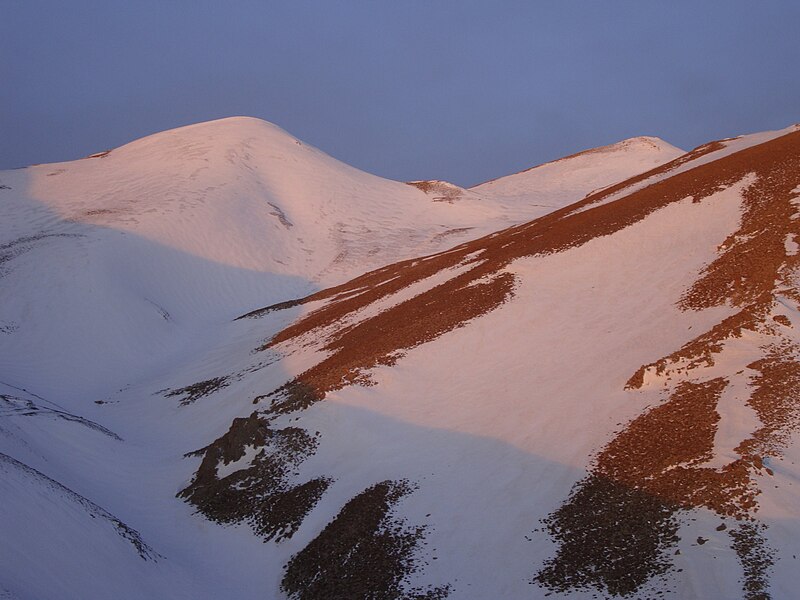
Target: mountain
[(161, 241), (598, 401)]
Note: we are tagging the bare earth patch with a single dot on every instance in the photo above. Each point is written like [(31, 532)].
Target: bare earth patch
[(364, 552), (261, 492)]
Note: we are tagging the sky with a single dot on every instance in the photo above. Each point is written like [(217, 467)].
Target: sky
[(407, 89)]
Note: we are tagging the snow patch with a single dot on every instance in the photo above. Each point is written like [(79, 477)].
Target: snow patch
[(791, 245), (225, 469)]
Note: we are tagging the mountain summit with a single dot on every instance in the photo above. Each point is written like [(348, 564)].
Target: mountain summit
[(560, 182)]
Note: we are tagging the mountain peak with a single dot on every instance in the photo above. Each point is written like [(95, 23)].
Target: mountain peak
[(560, 182), (643, 145), (646, 141), (224, 132)]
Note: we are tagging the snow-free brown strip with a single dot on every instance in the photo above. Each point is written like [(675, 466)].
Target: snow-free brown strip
[(661, 451), (776, 400), (756, 558), (754, 257), (377, 341), (364, 552)]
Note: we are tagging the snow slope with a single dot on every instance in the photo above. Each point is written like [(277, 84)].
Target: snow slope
[(554, 408)]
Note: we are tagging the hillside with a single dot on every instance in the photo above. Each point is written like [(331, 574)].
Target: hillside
[(535, 335), (598, 401)]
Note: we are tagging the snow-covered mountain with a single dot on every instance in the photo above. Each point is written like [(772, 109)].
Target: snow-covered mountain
[(598, 401), (161, 241)]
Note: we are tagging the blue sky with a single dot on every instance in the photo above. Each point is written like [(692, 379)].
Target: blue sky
[(408, 89)]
